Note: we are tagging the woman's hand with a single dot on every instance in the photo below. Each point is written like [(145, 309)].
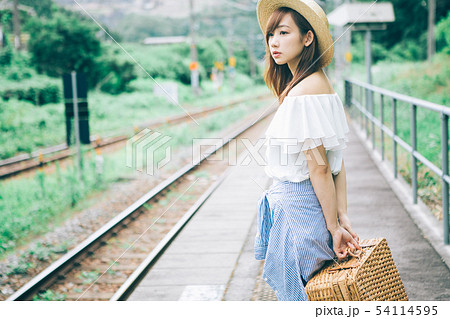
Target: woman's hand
[(344, 221), (341, 240)]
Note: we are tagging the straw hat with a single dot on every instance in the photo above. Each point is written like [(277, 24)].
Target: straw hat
[(312, 12)]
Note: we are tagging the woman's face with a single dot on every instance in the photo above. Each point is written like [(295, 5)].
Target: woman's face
[(286, 42)]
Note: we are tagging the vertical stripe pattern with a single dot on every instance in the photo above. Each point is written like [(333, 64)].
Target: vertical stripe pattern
[(292, 237)]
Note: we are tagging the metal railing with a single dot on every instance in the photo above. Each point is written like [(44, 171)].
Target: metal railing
[(367, 116)]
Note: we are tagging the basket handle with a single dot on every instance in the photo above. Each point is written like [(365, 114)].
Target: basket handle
[(354, 253), (353, 263), (357, 253), (340, 267)]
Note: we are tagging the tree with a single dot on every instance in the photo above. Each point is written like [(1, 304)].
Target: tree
[(62, 44), (43, 8), (411, 21)]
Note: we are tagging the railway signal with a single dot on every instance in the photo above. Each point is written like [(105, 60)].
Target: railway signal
[(75, 97)]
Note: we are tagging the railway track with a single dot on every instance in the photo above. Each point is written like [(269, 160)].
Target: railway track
[(26, 162), (111, 262)]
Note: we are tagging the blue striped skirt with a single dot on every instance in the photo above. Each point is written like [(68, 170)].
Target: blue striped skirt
[(292, 237)]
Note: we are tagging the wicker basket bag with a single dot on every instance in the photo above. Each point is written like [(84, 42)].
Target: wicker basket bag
[(370, 274)]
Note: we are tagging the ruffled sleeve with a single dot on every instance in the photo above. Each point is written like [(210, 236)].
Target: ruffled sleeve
[(307, 121)]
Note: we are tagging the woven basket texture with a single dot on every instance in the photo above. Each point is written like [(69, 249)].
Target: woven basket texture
[(372, 276)]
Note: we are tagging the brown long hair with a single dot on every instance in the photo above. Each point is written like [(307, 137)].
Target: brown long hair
[(278, 77)]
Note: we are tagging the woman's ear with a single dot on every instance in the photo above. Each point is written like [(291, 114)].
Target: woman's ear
[(308, 38)]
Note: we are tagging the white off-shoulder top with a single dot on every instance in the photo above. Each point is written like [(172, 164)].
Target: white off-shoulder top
[(304, 122)]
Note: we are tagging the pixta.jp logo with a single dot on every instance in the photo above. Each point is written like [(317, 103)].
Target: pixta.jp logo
[(146, 149)]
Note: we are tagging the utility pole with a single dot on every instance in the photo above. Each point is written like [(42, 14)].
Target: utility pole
[(16, 25), (251, 55), (194, 63), (76, 121), (230, 53), (1, 37), (431, 47)]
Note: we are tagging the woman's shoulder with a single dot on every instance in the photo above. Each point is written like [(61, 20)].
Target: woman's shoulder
[(314, 84)]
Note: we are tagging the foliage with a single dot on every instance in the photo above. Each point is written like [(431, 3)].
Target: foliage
[(242, 58), (403, 40), (89, 276), (443, 35), (114, 71), (426, 81), (35, 91), (33, 206), (411, 21), (21, 82), (62, 44), (135, 28), (210, 51), (6, 56), (24, 128), (164, 61), (407, 50), (38, 201), (49, 295), (43, 8)]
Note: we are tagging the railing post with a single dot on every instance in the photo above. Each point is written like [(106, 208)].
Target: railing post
[(394, 131), (372, 112), (348, 93), (382, 124), (414, 148), (366, 118), (444, 155), (361, 104)]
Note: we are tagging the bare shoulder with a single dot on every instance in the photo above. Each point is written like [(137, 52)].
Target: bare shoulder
[(316, 83)]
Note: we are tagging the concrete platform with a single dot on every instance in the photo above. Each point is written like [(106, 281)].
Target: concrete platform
[(210, 260)]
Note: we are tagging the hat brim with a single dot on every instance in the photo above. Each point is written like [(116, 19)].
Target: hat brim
[(312, 12)]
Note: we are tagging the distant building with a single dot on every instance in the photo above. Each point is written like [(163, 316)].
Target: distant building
[(165, 40)]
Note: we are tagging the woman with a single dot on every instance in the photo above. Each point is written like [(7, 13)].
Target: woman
[(302, 218)]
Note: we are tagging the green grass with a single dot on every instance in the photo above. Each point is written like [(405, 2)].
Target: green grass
[(89, 276), (426, 81), (25, 127), (30, 207), (49, 295)]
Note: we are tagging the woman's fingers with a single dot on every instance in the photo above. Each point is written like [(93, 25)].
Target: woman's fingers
[(342, 255), (355, 236), (354, 243), (351, 246), (357, 245)]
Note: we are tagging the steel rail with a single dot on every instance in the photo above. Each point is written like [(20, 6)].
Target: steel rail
[(105, 141)]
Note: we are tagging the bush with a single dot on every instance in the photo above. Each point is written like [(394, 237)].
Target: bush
[(37, 91), (164, 61), (210, 51), (6, 56), (17, 73), (409, 50), (63, 44), (443, 35), (242, 59), (242, 82), (113, 72)]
